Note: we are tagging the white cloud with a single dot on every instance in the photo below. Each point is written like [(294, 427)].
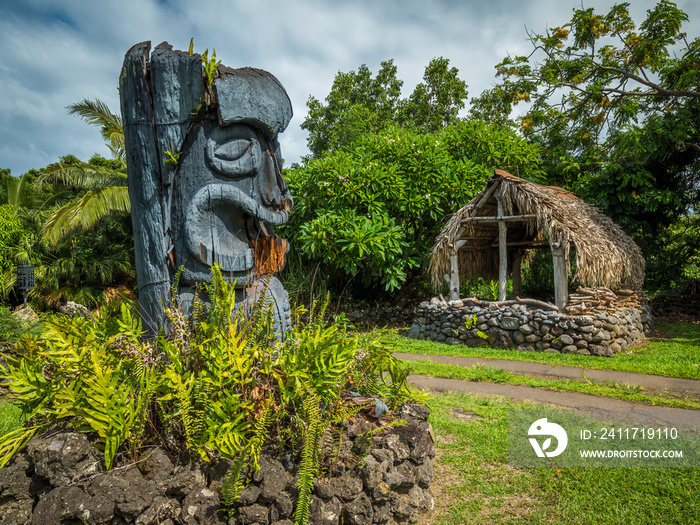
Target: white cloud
[(54, 53)]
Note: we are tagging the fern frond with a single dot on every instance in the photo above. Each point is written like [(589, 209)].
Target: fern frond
[(14, 441), (234, 482), (311, 454)]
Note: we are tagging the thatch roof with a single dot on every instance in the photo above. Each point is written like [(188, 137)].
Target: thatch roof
[(605, 255)]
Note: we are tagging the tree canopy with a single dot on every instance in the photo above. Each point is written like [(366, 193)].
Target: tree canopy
[(359, 103), (608, 97), (373, 210), (615, 106)]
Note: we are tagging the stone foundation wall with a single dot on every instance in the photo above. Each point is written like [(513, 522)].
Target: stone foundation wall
[(685, 304), (528, 328), (395, 316), (59, 478)]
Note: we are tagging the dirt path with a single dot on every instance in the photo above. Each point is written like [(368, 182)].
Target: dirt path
[(603, 408)]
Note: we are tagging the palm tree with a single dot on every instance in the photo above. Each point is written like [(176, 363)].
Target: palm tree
[(17, 190), (107, 186)]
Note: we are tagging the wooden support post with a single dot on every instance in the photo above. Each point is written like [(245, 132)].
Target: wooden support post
[(517, 276), (502, 252), (561, 284), (454, 276)]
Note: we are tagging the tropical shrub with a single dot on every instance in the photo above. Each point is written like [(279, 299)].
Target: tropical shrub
[(215, 387), (372, 210)]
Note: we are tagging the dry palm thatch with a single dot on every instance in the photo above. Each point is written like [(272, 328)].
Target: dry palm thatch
[(605, 255)]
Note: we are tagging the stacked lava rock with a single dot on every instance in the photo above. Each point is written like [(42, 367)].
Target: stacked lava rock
[(60, 478), (612, 329)]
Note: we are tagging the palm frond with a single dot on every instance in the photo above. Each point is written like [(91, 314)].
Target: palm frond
[(82, 175), (86, 211), (16, 190), (97, 113)]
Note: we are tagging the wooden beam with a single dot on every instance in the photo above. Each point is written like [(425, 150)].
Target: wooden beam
[(524, 243), (537, 246), (454, 276), (482, 238), (500, 218), (489, 192), (502, 252), (561, 284)]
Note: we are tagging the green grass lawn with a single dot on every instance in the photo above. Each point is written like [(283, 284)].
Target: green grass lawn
[(474, 483), (676, 355), (9, 417)]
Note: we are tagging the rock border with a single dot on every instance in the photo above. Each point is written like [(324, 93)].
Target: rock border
[(531, 329), (60, 478)]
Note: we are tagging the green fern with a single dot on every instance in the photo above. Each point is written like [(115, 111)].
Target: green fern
[(310, 464), (14, 441), (234, 482)]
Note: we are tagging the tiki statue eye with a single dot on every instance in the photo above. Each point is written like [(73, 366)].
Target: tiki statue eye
[(234, 157)]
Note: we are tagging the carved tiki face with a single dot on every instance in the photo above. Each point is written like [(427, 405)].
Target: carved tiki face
[(219, 202), (230, 195), (230, 191)]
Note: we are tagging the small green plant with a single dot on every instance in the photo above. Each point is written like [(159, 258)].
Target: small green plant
[(210, 64), (172, 158), (198, 108), (470, 321), (494, 289)]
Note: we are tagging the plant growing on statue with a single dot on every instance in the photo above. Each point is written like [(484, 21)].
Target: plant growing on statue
[(172, 158), (197, 108), (210, 65)]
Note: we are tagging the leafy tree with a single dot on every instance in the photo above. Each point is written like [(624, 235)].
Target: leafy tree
[(435, 102), (359, 103), (372, 210), (616, 108), (356, 104), (599, 85)]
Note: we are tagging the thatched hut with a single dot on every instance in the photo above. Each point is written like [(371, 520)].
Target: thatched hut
[(491, 234)]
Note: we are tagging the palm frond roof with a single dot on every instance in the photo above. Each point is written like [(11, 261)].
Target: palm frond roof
[(605, 254)]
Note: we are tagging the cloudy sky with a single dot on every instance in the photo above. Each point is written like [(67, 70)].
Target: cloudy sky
[(54, 53)]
